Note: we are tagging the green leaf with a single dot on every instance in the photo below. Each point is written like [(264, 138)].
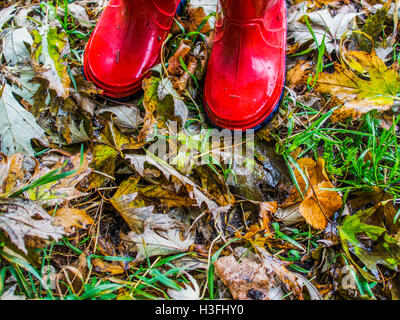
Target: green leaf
[(48, 58)]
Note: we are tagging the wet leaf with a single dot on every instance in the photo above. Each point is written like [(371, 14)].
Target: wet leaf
[(103, 165), (196, 16), (53, 193), (134, 201), (14, 45), (385, 250), (17, 126), (375, 89), (70, 218), (12, 173), (138, 161), (318, 204), (385, 212), (151, 243), (299, 73), (20, 218), (247, 279), (323, 25), (49, 50), (126, 118)]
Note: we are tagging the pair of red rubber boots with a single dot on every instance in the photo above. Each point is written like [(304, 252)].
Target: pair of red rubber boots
[(246, 70)]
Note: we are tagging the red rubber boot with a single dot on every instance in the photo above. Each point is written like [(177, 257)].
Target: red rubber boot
[(246, 71), (126, 43)]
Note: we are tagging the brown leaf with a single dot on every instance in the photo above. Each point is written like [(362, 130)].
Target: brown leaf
[(174, 63), (215, 186), (196, 17), (70, 218), (246, 280), (255, 278), (12, 172), (315, 172), (319, 207), (133, 202), (385, 213), (299, 73)]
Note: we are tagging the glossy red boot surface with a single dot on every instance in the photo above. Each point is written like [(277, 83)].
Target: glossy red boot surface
[(126, 43), (246, 71)]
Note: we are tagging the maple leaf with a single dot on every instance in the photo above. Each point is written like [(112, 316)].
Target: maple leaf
[(17, 126), (130, 201), (151, 243), (21, 217), (324, 25), (65, 189), (366, 84), (138, 162)]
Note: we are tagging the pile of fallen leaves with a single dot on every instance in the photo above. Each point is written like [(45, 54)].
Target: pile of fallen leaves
[(87, 210)]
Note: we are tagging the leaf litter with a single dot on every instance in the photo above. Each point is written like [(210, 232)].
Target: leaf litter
[(83, 192)]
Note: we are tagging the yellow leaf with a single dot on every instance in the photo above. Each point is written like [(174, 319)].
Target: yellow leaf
[(364, 84), (69, 218)]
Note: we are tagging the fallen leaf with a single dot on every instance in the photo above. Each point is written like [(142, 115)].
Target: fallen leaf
[(12, 173), (103, 166), (323, 25), (385, 212), (48, 58), (151, 243), (319, 207), (174, 63), (70, 218), (299, 73), (54, 193), (247, 280), (133, 202), (10, 295), (14, 45), (187, 292), (384, 250), (375, 89), (17, 126), (196, 16), (20, 218), (194, 191), (126, 118)]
